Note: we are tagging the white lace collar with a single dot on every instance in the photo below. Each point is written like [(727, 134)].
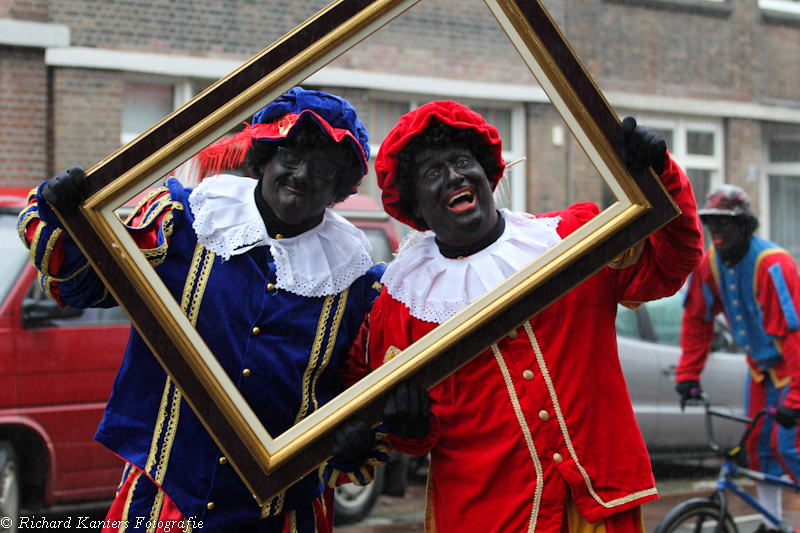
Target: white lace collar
[(322, 261), (435, 288)]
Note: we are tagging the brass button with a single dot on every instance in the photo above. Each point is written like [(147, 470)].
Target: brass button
[(747, 348), (256, 330), (527, 375), (733, 287), (512, 334), (557, 457), (736, 302), (544, 415), (743, 333), (738, 317), (246, 372), (279, 236), (270, 287), (223, 460), (731, 271), (210, 505)]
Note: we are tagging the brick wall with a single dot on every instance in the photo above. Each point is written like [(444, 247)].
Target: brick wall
[(23, 115), (24, 9), (87, 117)]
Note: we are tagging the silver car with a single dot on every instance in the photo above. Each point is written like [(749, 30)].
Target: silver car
[(649, 351)]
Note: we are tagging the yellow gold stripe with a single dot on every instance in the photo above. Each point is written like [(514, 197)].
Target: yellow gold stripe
[(526, 432), (712, 262), (22, 226), (48, 250), (266, 507), (191, 277), (563, 425), (367, 476), (35, 241), (152, 194), (162, 414), (293, 521), (377, 286), (77, 272), (337, 320), (312, 360), (391, 353), (123, 523), (281, 501), (200, 290), (763, 255)]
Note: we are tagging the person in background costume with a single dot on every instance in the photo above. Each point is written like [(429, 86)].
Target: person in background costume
[(757, 285), (277, 286), (538, 432)]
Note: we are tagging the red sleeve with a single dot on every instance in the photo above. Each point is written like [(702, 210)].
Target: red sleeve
[(779, 298), (697, 330), (670, 254), (393, 329)]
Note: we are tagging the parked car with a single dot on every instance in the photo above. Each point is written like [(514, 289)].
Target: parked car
[(57, 367), (649, 349)]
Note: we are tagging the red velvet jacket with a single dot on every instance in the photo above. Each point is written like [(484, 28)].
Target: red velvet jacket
[(546, 409)]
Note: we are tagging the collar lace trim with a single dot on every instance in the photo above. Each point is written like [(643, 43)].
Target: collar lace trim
[(435, 288), (322, 261)]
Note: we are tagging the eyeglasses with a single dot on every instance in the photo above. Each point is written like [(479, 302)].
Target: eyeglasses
[(317, 167)]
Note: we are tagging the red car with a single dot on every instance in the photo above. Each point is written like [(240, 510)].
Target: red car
[(57, 367)]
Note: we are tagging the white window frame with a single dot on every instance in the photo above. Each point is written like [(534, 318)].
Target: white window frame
[(784, 6), (680, 127), (183, 90), (776, 169)]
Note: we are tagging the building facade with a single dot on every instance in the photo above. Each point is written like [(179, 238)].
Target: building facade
[(720, 79)]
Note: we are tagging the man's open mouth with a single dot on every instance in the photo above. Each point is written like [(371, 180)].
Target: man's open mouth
[(461, 200)]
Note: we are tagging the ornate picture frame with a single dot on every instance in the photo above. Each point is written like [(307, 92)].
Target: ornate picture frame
[(269, 464)]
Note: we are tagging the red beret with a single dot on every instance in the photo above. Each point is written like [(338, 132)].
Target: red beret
[(414, 123)]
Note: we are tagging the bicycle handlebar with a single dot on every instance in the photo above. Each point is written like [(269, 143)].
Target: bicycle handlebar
[(710, 411)]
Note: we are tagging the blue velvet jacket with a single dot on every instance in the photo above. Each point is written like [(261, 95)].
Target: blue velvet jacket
[(281, 350)]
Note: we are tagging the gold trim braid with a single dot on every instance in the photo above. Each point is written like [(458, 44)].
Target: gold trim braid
[(337, 321), (523, 424), (312, 360), (563, 425)]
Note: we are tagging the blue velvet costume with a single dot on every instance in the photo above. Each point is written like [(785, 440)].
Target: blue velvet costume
[(282, 348), (290, 345)]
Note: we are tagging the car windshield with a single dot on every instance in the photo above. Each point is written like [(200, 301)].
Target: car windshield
[(12, 251)]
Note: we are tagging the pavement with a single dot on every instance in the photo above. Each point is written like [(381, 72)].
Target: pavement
[(401, 515)]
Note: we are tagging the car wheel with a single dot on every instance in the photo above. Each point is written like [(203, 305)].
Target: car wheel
[(9, 488), (353, 503)]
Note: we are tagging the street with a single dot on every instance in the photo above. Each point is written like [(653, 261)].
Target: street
[(405, 514)]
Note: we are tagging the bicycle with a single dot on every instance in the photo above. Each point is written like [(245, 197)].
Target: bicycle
[(710, 515)]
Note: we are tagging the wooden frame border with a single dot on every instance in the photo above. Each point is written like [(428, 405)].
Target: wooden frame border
[(269, 465)]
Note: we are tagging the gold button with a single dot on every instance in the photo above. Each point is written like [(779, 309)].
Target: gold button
[(738, 317), (731, 271), (279, 236), (246, 372), (747, 348), (733, 287), (210, 505), (743, 333), (223, 460), (527, 375), (512, 335), (736, 302), (256, 330), (544, 416), (270, 287), (557, 457)]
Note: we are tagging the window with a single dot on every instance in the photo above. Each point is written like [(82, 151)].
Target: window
[(143, 105), (783, 177), (696, 145), (784, 6)]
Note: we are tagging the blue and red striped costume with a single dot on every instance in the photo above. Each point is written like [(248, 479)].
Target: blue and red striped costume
[(760, 296)]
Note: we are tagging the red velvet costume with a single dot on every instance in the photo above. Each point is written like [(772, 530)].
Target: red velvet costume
[(546, 411)]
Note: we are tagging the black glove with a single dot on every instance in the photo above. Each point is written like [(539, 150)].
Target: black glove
[(688, 390), (408, 412), (66, 190), (641, 147), (351, 440), (787, 417)]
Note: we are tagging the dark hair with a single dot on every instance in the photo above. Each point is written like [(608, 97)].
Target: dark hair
[(309, 134), (437, 136), (748, 223)]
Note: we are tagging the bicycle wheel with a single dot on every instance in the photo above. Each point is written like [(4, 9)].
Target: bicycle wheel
[(695, 516)]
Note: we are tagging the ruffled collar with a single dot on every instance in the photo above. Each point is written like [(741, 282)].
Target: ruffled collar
[(322, 261), (435, 288)]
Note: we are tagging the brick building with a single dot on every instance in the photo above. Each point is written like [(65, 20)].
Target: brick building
[(719, 78)]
